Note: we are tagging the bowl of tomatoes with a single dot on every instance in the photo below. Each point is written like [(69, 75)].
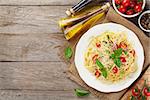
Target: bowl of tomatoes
[(129, 8)]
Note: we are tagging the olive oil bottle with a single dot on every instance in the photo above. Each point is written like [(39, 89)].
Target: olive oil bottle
[(81, 23), (83, 4)]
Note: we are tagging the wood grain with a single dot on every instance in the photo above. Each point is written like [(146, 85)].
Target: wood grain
[(31, 19), (31, 47), (38, 2), (41, 95), (44, 76), (36, 81)]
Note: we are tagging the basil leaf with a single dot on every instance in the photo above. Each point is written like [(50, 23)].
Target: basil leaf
[(68, 53), (112, 56), (136, 90), (101, 67), (125, 52), (148, 89), (117, 62), (132, 97), (80, 92), (143, 97), (104, 72), (118, 52)]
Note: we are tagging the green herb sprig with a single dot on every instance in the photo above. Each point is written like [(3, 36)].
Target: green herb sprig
[(68, 53), (81, 92), (116, 56), (102, 68)]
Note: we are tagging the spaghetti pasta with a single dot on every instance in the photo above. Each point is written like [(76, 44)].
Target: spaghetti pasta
[(115, 55)]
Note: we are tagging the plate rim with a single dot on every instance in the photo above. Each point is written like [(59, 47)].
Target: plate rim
[(134, 35)]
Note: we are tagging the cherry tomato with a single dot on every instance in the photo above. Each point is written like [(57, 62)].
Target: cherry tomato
[(129, 12), (132, 4), (94, 57), (140, 2), (98, 45), (135, 91), (137, 8), (122, 9), (133, 52), (122, 45), (122, 59), (147, 91), (115, 70), (97, 73), (126, 3), (118, 2)]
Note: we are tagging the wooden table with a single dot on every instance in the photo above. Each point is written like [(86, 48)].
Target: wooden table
[(30, 41)]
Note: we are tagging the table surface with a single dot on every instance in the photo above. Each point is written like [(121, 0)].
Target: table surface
[(30, 41)]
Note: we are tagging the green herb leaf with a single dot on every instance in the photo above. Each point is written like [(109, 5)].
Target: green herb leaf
[(132, 97), (80, 92), (104, 72), (117, 62), (112, 56), (68, 53), (148, 89), (143, 97), (101, 67), (136, 90), (125, 52), (118, 52)]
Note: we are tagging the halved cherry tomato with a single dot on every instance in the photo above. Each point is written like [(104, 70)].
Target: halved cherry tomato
[(126, 3), (132, 4), (138, 8), (135, 91), (122, 59), (94, 57), (133, 52), (115, 70), (129, 12), (97, 73), (122, 9), (147, 91), (98, 45), (122, 45), (118, 2)]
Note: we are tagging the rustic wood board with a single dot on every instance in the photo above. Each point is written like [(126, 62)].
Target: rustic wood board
[(31, 19), (31, 47), (139, 83), (38, 2), (30, 40), (40, 95)]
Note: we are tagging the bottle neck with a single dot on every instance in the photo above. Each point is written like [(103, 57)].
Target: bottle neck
[(81, 5)]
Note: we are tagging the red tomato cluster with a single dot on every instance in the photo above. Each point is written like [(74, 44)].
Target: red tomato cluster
[(129, 7), (137, 92)]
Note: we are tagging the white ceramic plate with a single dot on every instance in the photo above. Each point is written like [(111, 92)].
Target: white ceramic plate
[(90, 79)]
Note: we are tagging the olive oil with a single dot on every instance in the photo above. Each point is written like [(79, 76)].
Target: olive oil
[(80, 23), (82, 26)]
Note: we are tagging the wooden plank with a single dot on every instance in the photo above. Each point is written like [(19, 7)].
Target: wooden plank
[(36, 81), (31, 19), (31, 47), (43, 2), (41, 95), (37, 76), (38, 2)]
